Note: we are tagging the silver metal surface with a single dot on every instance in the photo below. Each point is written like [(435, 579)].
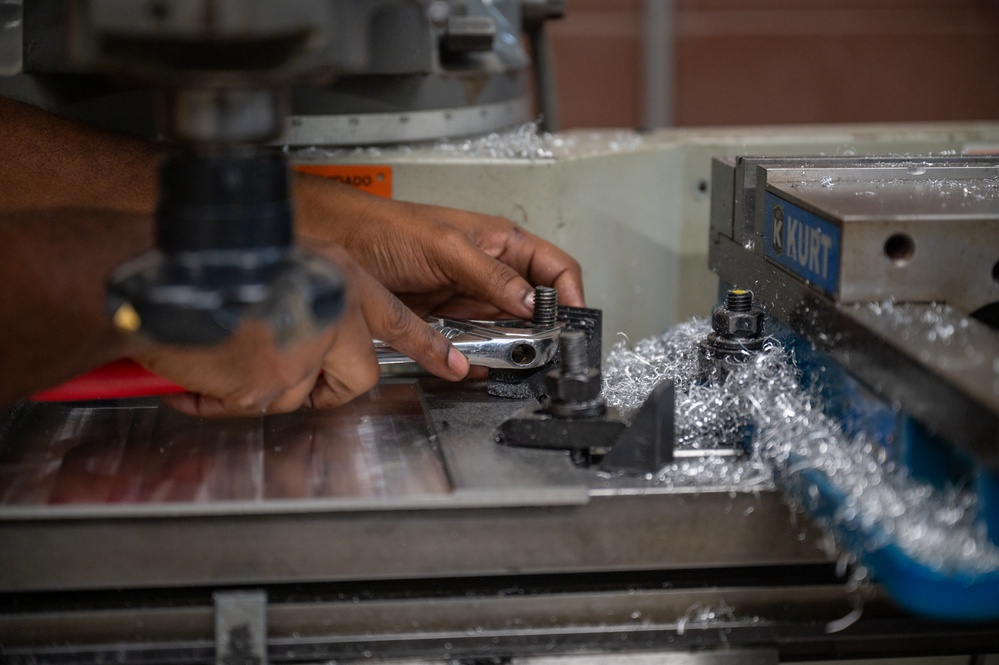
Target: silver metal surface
[(499, 344), (470, 622), (614, 619), (948, 214), (716, 657), (145, 459), (403, 126), (224, 115)]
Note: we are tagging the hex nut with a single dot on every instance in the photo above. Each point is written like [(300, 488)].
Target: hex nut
[(573, 387), (737, 324)]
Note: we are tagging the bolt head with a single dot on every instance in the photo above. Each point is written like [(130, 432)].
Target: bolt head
[(573, 387), (737, 324)]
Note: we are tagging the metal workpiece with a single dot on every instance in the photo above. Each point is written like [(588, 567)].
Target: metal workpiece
[(398, 484)]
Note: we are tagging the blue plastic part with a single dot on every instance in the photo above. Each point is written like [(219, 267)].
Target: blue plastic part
[(957, 595), (953, 595), (929, 458)]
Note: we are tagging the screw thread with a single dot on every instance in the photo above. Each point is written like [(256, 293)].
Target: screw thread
[(545, 306), (572, 348), (739, 300)]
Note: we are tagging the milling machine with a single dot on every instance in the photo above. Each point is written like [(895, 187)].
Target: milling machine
[(398, 527)]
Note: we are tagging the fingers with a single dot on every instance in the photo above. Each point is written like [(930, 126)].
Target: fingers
[(416, 248), (569, 284), (228, 390), (391, 321), (550, 266), (481, 276), (343, 358), (537, 260), (350, 367), (395, 324), (200, 405), (540, 261)]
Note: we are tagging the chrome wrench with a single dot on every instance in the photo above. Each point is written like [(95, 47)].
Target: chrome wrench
[(513, 344)]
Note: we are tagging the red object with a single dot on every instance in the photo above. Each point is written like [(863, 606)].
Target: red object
[(117, 380)]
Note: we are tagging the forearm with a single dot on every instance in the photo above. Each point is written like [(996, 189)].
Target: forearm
[(53, 323), (47, 161)]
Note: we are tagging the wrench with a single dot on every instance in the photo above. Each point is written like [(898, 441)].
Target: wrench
[(510, 344)]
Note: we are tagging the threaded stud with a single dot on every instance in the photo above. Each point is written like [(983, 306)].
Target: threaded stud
[(573, 349), (545, 307), (739, 300)]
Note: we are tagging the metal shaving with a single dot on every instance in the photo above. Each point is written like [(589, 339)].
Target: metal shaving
[(522, 142), (763, 404), (526, 142), (700, 615)]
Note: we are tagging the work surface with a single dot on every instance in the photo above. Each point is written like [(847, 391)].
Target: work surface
[(399, 527)]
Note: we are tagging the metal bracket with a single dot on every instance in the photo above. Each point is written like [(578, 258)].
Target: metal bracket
[(520, 384), (240, 627), (645, 445)]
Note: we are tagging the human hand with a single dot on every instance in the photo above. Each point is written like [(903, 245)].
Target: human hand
[(250, 375), (439, 259)]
